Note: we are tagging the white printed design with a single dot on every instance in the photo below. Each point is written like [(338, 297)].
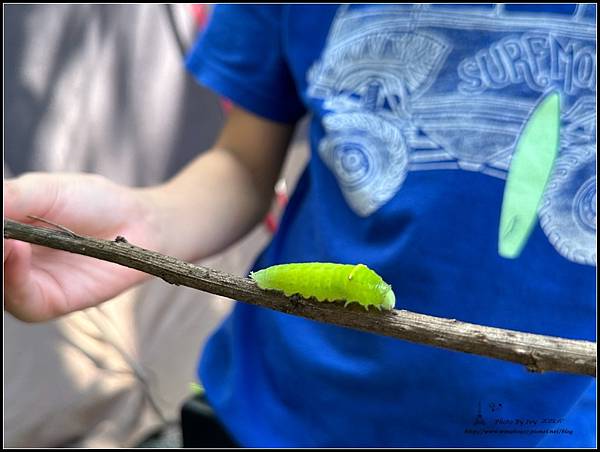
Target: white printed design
[(389, 109), (367, 78), (368, 156), (568, 210)]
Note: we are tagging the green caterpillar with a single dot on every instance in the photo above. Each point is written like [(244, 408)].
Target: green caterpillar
[(329, 282)]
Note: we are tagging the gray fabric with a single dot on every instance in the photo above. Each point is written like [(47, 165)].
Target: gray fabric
[(101, 88)]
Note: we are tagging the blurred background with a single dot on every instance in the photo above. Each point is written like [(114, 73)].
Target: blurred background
[(103, 89)]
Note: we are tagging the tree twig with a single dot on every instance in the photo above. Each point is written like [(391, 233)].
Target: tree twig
[(538, 353)]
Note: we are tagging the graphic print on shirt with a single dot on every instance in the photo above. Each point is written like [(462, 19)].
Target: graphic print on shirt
[(429, 87)]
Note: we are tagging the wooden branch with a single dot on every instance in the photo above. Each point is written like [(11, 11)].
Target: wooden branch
[(538, 353)]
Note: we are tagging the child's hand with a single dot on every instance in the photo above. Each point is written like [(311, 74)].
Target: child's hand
[(42, 283)]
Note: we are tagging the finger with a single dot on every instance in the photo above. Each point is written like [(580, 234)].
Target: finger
[(20, 294), (31, 194)]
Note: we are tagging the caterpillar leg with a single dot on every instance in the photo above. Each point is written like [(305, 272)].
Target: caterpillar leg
[(364, 306), (349, 302), (295, 301)]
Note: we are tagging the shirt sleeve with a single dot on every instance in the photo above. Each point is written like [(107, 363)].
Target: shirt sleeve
[(240, 56)]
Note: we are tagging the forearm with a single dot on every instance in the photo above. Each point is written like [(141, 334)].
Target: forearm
[(209, 205)]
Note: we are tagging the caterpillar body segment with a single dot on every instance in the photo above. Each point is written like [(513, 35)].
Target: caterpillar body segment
[(328, 282)]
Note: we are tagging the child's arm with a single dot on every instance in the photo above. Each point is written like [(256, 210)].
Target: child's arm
[(224, 193), (211, 203)]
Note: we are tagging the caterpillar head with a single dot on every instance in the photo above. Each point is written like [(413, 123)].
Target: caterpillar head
[(389, 299)]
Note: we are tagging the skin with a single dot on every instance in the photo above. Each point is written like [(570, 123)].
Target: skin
[(206, 207)]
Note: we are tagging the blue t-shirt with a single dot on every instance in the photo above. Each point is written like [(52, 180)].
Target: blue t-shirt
[(415, 112)]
